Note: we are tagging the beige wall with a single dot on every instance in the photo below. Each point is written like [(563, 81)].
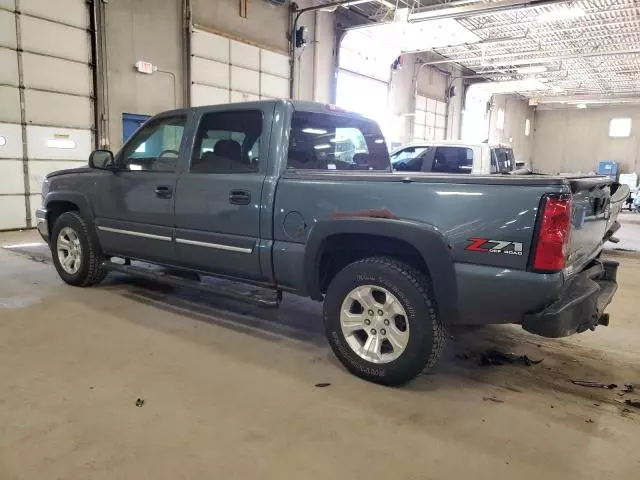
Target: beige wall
[(516, 111), (148, 30), (574, 140)]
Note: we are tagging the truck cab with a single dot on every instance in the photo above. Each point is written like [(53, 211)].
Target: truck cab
[(453, 156)]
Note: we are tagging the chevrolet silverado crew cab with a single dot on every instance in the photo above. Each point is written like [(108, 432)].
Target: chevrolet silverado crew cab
[(453, 156), (301, 197)]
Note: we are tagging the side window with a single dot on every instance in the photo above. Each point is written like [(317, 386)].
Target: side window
[(228, 142), (453, 160), (321, 141), (409, 159), (156, 147)]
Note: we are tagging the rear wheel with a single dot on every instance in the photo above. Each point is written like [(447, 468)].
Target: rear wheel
[(75, 255), (381, 321)]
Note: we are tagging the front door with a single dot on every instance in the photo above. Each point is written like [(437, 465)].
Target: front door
[(134, 205), (218, 203)]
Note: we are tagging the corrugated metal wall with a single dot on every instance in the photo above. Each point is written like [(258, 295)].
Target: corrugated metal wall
[(46, 88)]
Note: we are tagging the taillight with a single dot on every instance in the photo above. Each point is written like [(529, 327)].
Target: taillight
[(553, 234)]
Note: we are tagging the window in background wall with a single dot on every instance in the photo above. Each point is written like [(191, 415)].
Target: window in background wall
[(500, 119), (430, 118), (620, 127), (527, 127)]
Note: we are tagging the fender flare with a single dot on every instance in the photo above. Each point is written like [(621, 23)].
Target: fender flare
[(426, 239), (78, 199)]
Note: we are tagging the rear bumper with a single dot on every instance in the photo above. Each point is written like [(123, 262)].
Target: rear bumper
[(42, 224), (581, 305)]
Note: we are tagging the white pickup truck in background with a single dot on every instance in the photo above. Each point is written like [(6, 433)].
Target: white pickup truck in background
[(454, 156)]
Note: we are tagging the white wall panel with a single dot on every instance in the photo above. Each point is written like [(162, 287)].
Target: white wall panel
[(209, 72), (39, 168), (10, 4), (274, 63), (245, 55), (56, 74), (245, 80), (421, 102), (272, 86), (11, 141), (12, 212), (243, 97), (73, 12), (43, 36), (206, 95), (58, 109), (8, 66), (7, 29), (58, 143), (11, 177), (208, 45), (10, 104)]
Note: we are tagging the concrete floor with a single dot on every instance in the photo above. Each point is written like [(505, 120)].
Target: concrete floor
[(230, 391)]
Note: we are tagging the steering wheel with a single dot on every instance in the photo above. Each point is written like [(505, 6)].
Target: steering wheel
[(176, 153)]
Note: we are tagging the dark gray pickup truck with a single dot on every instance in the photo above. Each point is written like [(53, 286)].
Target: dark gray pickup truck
[(300, 197)]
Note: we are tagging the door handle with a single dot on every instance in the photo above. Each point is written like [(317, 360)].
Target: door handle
[(239, 197), (164, 191)]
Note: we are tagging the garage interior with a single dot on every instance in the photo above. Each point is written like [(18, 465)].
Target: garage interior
[(132, 378)]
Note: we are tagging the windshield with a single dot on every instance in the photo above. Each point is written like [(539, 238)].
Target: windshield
[(502, 160)]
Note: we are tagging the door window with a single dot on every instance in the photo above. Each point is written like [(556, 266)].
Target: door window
[(409, 159), (228, 142), (156, 147), (335, 142), (453, 160)]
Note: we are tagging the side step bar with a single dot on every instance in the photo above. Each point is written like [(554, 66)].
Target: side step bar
[(178, 281)]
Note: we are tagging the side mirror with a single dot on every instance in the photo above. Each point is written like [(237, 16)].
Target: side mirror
[(102, 159)]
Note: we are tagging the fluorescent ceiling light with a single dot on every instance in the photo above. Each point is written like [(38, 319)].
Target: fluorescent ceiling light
[(322, 146), (563, 12), (314, 131), (581, 106), (510, 86), (532, 69)]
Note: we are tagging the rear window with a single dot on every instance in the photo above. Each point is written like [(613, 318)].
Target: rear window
[(502, 160), (332, 142), (453, 160)]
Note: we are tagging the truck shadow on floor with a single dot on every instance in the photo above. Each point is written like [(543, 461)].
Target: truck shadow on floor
[(461, 367)]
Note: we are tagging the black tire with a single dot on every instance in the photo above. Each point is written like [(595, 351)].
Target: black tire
[(90, 271), (413, 290)]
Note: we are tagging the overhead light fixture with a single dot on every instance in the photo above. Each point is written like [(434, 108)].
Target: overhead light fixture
[(581, 106), (563, 12), (532, 69)]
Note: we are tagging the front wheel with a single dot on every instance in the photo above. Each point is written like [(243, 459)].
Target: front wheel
[(75, 255), (381, 321)]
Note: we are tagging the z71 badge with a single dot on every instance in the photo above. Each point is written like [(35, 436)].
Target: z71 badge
[(485, 245)]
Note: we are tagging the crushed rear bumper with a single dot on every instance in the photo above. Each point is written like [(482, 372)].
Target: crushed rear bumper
[(581, 305)]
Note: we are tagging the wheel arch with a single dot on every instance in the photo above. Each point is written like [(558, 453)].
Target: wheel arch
[(57, 203), (421, 245)]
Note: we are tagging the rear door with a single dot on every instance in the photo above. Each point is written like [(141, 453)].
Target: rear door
[(218, 202)]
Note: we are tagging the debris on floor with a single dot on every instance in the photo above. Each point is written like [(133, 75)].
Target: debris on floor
[(139, 402), (589, 420), (492, 399), (322, 385), (628, 388), (590, 384), (496, 357), (633, 403)]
